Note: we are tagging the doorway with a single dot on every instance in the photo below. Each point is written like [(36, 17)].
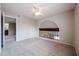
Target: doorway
[(9, 30), (2, 44)]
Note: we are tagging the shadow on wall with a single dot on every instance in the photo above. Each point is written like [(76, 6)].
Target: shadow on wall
[(49, 29)]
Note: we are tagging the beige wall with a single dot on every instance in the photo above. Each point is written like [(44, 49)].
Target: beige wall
[(12, 29), (0, 30), (65, 24), (48, 24), (25, 28), (76, 40)]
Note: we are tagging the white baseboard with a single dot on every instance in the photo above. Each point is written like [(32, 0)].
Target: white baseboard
[(58, 41), (55, 41)]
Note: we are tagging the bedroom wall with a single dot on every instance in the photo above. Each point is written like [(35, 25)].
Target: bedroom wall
[(12, 25), (48, 24), (65, 24), (12, 29), (25, 28), (76, 40)]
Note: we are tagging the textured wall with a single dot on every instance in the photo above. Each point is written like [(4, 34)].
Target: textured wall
[(65, 23), (76, 40), (25, 28), (48, 24), (12, 29)]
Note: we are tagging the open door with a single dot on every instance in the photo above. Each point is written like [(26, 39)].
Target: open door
[(2, 31), (10, 30), (7, 36)]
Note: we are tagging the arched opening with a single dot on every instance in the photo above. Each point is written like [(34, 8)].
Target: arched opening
[(49, 29)]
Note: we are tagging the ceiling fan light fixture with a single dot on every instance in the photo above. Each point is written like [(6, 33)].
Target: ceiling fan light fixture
[(37, 11)]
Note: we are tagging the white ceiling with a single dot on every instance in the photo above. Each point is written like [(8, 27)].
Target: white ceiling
[(25, 9), (10, 20)]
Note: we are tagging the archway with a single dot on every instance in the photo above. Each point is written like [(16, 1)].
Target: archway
[(49, 29)]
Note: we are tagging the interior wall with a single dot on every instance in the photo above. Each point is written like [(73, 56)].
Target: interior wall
[(12, 25), (25, 28), (65, 24), (12, 29), (76, 40), (48, 24), (0, 30)]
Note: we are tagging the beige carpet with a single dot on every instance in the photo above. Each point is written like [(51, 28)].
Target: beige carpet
[(37, 47)]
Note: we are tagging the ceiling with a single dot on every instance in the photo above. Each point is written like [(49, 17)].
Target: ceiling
[(25, 9), (10, 20)]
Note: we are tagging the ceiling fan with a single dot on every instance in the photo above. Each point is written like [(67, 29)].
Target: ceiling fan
[(37, 11)]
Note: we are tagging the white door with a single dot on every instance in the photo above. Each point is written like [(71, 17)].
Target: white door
[(0, 30)]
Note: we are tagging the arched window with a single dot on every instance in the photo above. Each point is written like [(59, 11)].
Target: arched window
[(49, 29)]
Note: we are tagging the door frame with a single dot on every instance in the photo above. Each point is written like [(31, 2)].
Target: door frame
[(2, 31), (4, 15)]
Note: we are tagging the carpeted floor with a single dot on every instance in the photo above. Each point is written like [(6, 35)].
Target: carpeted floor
[(37, 47)]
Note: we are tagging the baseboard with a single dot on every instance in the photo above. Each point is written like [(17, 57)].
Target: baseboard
[(48, 39), (26, 39), (56, 41)]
